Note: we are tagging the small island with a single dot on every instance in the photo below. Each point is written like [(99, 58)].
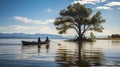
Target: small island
[(111, 37)]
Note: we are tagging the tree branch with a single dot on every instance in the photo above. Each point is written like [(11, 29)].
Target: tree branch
[(86, 29), (76, 30)]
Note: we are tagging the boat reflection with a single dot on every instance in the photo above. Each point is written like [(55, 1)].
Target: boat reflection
[(29, 48), (24, 47), (47, 47), (39, 46)]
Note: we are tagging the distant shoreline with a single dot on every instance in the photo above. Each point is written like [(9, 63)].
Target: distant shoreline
[(107, 38)]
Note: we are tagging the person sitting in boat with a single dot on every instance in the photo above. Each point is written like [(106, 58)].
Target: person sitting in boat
[(39, 40), (47, 39)]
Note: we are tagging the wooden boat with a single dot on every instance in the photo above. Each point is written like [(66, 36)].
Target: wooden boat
[(36, 43)]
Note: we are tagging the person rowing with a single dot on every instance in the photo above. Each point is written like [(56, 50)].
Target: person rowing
[(39, 40), (47, 39)]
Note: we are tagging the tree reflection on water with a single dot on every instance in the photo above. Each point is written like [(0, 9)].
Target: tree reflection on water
[(81, 57)]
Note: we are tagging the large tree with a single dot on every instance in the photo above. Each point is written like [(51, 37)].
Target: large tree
[(78, 17)]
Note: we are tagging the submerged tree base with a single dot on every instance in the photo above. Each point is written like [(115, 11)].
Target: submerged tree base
[(84, 40)]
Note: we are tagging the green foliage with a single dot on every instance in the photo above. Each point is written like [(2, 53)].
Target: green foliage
[(78, 17), (92, 35), (63, 24), (96, 21)]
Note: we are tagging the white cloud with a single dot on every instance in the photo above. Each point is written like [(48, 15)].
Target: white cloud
[(49, 30), (26, 20), (108, 5), (102, 0), (103, 7), (1, 28), (113, 4), (48, 10), (18, 27), (88, 1), (28, 29)]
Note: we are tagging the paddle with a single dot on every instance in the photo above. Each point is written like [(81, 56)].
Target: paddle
[(55, 42)]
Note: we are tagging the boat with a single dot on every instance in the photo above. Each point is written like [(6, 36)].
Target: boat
[(36, 43)]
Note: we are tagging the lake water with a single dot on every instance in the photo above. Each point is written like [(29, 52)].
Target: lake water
[(102, 53)]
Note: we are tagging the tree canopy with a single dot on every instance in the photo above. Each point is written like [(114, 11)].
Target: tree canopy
[(78, 17)]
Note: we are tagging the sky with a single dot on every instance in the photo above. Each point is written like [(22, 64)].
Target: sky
[(37, 16)]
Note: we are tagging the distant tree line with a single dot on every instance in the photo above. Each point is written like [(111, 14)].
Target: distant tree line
[(114, 36)]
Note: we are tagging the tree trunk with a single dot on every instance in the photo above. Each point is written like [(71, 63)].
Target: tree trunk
[(80, 33)]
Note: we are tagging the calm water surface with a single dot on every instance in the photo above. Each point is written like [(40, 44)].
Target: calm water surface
[(102, 53)]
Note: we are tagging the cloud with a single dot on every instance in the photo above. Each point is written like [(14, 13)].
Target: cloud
[(26, 20), (48, 10), (28, 29), (103, 7), (2, 28), (106, 6), (46, 29), (109, 5), (113, 4), (18, 27), (88, 1)]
